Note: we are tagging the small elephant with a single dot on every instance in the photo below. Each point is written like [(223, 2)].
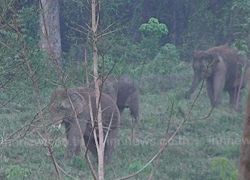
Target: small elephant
[(108, 85), (70, 105), (223, 68), (124, 91), (128, 96)]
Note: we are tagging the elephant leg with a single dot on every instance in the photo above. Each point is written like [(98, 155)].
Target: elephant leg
[(74, 144), (110, 145), (90, 144), (232, 96), (218, 85), (133, 105), (209, 86), (234, 99)]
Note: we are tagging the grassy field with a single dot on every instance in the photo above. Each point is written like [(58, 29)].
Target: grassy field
[(204, 149)]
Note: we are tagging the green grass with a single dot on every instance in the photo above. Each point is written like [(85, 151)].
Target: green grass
[(200, 150)]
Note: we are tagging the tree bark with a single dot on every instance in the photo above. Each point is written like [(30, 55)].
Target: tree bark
[(100, 144), (244, 171), (50, 39)]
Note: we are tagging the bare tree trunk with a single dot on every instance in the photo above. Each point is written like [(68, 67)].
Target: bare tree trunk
[(50, 39), (244, 172), (100, 145)]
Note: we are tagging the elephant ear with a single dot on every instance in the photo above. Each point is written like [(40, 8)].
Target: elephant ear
[(209, 59), (214, 58), (198, 55), (204, 55), (75, 99), (78, 101)]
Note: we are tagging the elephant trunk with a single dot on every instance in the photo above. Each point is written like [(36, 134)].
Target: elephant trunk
[(195, 83)]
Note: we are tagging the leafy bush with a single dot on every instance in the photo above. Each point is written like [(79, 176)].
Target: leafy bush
[(224, 168), (166, 61), (28, 20), (151, 35), (17, 172), (242, 46), (79, 162), (153, 28)]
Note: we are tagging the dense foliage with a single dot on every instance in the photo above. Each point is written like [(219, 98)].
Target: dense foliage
[(191, 24), (153, 41)]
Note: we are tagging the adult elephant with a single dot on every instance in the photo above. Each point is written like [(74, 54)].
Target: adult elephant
[(223, 68), (72, 108)]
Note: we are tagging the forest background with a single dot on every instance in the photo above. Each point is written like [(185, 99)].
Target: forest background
[(152, 41)]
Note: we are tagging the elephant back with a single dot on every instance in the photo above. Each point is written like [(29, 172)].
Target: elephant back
[(108, 85)]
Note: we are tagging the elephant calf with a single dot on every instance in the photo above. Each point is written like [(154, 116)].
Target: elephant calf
[(70, 105), (124, 91), (128, 96), (223, 68), (108, 85)]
